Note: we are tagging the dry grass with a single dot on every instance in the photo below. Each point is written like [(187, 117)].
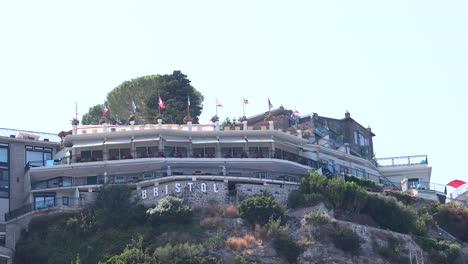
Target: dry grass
[(240, 243), (212, 221), (212, 209), (231, 211)]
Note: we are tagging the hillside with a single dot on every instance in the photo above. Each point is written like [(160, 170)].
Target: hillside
[(329, 221)]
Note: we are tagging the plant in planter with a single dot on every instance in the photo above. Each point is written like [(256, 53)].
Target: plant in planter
[(113, 157), (161, 154), (242, 118), (214, 118), (187, 119), (75, 122), (78, 159), (244, 154), (268, 117), (159, 116)]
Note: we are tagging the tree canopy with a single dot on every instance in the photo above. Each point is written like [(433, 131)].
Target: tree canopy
[(174, 90), (93, 115)]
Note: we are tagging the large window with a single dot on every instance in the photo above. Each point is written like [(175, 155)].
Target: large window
[(172, 151), (146, 152), (91, 155), (259, 152), (36, 156), (206, 152), (122, 153), (4, 171), (360, 139), (44, 201)]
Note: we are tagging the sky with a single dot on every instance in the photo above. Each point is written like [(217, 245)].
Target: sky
[(400, 67)]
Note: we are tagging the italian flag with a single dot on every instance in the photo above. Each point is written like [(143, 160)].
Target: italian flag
[(188, 101)]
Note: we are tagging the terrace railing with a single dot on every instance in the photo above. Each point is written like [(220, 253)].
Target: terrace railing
[(402, 161)]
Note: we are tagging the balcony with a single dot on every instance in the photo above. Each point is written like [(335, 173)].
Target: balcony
[(402, 161)]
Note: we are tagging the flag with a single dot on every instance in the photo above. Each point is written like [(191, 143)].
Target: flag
[(76, 109), (134, 107), (105, 109), (218, 103), (188, 101), (296, 113), (162, 105), (270, 106), (246, 102)]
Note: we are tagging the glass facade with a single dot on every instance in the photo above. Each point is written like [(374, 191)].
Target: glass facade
[(37, 156), (4, 171)]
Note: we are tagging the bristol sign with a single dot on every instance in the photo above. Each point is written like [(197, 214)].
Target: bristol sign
[(177, 188)]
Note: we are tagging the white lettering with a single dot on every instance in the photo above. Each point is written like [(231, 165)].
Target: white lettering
[(215, 189), (203, 187), (190, 186), (144, 195), (177, 187), (167, 189), (155, 192)]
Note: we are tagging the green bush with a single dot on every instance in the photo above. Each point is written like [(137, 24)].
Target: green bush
[(185, 253), (297, 199), (440, 252), (392, 252), (454, 219), (259, 209), (133, 253), (313, 182), (388, 213), (242, 259), (346, 239), (170, 209), (365, 183), (271, 229), (317, 218), (287, 248), (347, 196), (402, 197)]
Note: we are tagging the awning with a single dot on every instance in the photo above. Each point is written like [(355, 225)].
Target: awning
[(94, 143), (204, 141), (175, 139), (115, 141), (232, 140), (149, 139), (259, 140)]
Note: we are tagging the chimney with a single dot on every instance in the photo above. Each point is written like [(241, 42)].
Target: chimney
[(347, 114)]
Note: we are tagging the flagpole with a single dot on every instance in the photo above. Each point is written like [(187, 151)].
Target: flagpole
[(76, 110), (243, 105), (216, 102)]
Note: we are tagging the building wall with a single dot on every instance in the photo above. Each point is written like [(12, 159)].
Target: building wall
[(17, 162)]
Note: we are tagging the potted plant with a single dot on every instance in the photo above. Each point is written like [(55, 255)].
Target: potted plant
[(187, 119), (75, 122), (214, 118)]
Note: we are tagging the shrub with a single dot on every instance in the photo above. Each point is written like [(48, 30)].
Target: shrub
[(317, 218), (365, 183), (402, 197), (392, 252), (440, 252), (388, 213), (170, 209), (212, 222), (242, 259), (133, 253), (346, 239), (298, 199), (346, 195), (454, 219), (287, 248), (185, 253), (241, 243), (212, 209), (271, 229), (259, 209), (313, 183), (231, 211), (216, 241)]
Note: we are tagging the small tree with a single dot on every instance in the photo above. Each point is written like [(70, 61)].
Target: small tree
[(170, 209), (259, 209)]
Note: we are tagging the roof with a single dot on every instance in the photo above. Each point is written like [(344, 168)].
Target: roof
[(31, 135)]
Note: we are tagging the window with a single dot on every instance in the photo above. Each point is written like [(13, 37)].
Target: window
[(413, 183), (3, 154), (36, 156), (65, 200), (123, 153), (46, 201), (360, 139)]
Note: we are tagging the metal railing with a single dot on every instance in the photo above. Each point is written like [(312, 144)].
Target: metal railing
[(402, 161), (429, 186), (69, 202)]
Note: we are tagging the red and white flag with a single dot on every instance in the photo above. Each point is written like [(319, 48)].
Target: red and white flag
[(296, 113), (161, 103), (218, 103)]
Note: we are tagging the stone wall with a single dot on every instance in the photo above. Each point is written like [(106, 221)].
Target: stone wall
[(279, 192)]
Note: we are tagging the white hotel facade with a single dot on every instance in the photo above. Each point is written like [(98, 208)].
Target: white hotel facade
[(272, 151)]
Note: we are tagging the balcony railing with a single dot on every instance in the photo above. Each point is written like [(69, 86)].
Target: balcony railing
[(402, 161), (428, 186), (72, 202)]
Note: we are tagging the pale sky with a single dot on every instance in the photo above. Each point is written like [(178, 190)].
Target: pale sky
[(400, 66)]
